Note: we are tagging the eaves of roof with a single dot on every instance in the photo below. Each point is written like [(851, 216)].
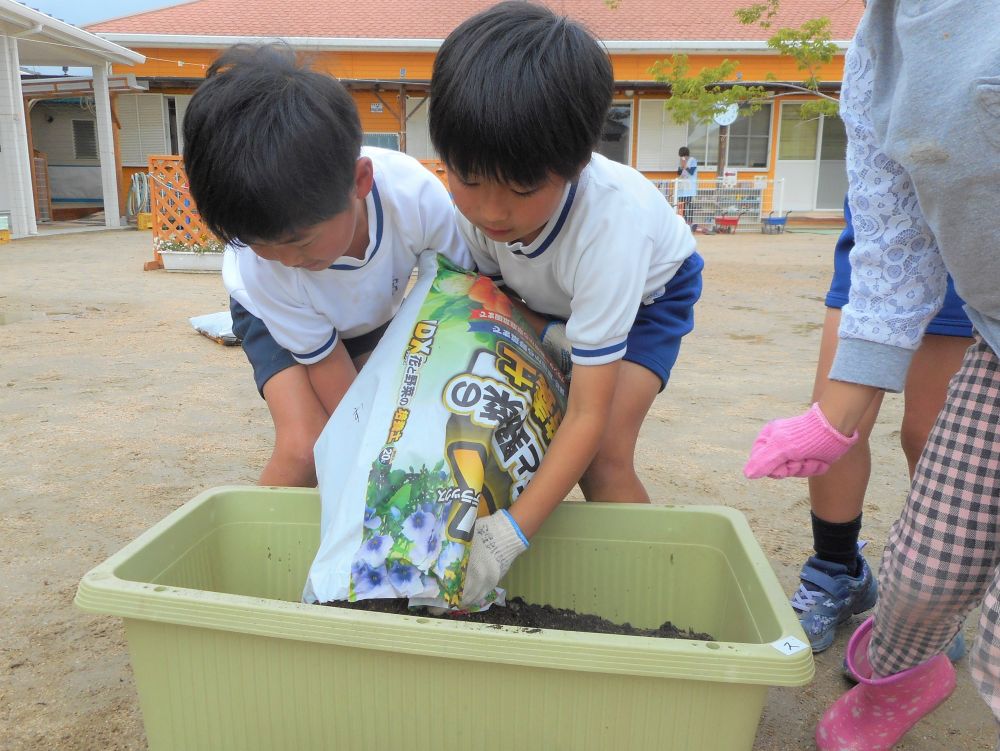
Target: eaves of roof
[(44, 40), (349, 44)]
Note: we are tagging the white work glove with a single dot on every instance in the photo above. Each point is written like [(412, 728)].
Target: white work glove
[(557, 346), (496, 542)]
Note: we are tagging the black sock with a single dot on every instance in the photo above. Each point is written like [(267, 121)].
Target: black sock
[(837, 541)]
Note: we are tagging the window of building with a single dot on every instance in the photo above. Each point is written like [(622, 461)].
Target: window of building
[(176, 107), (703, 140), (659, 137), (749, 141), (173, 129), (84, 139), (798, 136), (382, 140), (833, 145), (143, 127), (616, 138)]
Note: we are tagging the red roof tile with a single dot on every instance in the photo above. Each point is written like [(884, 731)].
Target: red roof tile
[(633, 20)]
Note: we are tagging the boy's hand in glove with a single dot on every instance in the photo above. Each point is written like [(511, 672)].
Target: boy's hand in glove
[(800, 446), (496, 542)]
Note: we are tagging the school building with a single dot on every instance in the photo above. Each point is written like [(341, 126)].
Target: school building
[(383, 51)]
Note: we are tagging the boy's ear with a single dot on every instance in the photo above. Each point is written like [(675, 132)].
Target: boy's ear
[(364, 177)]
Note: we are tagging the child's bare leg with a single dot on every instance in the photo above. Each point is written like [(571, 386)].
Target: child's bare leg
[(937, 360), (839, 495), (611, 475), (836, 582), (298, 418)]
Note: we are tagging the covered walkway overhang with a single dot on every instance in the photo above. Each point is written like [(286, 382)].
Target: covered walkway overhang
[(74, 87), (31, 38)]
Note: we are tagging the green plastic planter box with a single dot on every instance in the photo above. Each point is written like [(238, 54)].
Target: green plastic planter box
[(226, 657)]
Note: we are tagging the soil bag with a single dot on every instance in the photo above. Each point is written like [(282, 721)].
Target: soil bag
[(447, 422), (216, 326)]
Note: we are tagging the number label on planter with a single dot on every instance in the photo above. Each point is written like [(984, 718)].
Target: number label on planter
[(789, 645)]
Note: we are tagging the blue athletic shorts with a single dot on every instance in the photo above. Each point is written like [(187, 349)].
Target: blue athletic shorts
[(951, 320), (269, 358), (655, 338)]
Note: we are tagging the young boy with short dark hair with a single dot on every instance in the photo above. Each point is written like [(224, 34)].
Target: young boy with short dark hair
[(322, 234), (687, 182), (518, 102)]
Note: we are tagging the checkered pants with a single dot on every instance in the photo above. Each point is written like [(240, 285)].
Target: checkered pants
[(943, 552)]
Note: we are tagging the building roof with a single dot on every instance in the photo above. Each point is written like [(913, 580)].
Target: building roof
[(44, 40), (645, 21)]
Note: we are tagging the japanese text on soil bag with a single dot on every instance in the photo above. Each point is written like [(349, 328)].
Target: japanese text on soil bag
[(465, 425)]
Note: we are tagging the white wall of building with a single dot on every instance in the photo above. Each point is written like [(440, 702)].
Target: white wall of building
[(66, 133), (16, 198)]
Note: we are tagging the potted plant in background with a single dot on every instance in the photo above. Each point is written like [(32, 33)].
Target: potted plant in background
[(203, 257)]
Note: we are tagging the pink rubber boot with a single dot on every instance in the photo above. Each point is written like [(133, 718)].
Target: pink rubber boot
[(876, 713)]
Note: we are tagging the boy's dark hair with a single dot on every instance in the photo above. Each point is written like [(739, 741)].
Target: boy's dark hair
[(683, 151), (270, 147), (518, 92)]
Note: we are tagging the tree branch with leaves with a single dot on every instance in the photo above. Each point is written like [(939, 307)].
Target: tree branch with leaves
[(701, 95)]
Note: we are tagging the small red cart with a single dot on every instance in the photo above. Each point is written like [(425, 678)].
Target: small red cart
[(726, 224)]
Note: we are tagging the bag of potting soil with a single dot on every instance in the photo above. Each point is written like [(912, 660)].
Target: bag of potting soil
[(447, 422)]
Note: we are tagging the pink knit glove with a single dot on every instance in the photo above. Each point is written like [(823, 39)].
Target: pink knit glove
[(800, 446)]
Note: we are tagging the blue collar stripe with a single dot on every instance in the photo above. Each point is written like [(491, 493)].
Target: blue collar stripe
[(555, 230), (600, 352), (314, 353), (378, 234)]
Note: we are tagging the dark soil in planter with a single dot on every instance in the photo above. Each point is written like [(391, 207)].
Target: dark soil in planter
[(530, 617)]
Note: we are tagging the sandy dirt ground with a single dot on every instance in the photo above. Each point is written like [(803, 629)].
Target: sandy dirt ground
[(113, 412)]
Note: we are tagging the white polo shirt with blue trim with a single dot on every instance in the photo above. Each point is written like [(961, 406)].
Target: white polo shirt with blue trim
[(306, 312), (613, 243)]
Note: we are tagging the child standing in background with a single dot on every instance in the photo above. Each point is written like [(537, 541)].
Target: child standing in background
[(687, 182)]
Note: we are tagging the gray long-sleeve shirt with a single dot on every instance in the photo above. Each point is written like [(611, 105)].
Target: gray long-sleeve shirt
[(921, 105)]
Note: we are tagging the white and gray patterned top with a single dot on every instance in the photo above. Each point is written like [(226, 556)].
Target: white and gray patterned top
[(921, 106)]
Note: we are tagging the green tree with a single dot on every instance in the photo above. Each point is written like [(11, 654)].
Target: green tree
[(700, 95), (810, 45)]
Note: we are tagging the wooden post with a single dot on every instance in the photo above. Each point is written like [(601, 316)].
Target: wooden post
[(31, 156), (116, 126), (157, 218)]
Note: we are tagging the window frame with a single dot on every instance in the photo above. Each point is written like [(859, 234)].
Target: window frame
[(390, 133), (630, 135), (702, 157), (769, 106), (817, 137), (77, 138), (657, 137)]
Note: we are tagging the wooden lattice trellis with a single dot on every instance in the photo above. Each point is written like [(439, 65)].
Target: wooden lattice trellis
[(175, 217), (174, 214)]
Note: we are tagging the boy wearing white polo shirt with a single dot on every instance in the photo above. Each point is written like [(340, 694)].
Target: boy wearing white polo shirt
[(322, 234), (519, 98)]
